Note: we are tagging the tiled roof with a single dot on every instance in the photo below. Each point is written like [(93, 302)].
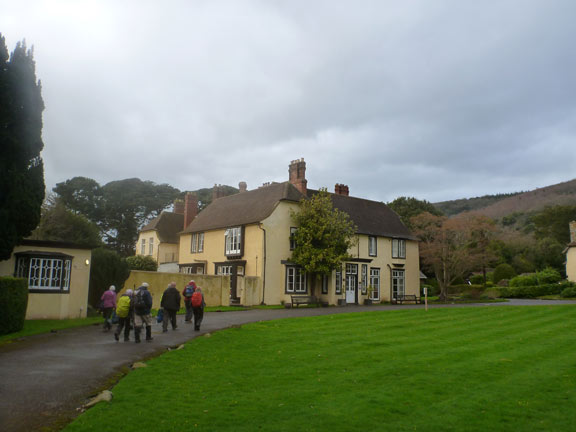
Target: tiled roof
[(371, 217), (243, 208), (167, 226)]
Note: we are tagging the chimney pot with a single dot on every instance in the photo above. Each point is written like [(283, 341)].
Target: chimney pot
[(297, 175), (243, 187), (179, 206), (572, 231)]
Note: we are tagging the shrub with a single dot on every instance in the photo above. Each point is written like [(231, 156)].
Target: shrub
[(142, 262), (523, 280), (503, 271), (477, 279), (13, 303), (534, 291), (108, 268), (548, 276), (568, 292)]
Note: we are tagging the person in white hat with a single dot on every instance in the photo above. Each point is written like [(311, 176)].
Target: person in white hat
[(107, 306)]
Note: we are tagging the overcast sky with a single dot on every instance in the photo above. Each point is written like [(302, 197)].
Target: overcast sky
[(435, 99)]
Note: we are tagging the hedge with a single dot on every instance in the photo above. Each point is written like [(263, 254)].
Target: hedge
[(534, 290), (13, 303)]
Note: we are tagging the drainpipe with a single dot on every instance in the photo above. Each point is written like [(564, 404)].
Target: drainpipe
[(263, 266), (390, 279)]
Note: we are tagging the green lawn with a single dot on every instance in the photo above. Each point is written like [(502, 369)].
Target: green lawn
[(466, 369), (32, 327)]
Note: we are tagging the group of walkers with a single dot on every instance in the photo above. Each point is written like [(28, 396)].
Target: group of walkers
[(133, 309)]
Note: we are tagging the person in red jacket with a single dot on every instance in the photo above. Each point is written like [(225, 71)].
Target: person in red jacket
[(187, 295), (198, 305)]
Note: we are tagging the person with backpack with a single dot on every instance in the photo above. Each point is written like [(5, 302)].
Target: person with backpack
[(107, 305), (142, 306), (187, 294), (197, 302), (125, 314), (171, 304)]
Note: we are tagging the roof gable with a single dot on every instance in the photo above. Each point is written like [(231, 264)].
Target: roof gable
[(167, 226), (243, 208)]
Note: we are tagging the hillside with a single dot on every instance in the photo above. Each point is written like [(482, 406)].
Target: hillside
[(498, 206)]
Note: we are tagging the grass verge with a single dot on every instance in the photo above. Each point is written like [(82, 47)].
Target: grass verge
[(468, 369), (33, 327)]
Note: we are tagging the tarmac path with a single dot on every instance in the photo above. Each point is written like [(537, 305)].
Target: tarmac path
[(44, 379)]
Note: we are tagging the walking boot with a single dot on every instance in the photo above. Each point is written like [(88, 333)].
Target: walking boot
[(116, 337), (149, 333), (137, 334)]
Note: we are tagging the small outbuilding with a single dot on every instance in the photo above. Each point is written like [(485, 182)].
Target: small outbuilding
[(58, 277)]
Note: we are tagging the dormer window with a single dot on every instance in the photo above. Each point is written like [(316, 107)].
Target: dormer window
[(233, 241)]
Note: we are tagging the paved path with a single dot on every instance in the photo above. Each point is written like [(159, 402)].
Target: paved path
[(45, 378)]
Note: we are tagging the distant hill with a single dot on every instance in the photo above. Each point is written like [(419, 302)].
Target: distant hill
[(498, 206)]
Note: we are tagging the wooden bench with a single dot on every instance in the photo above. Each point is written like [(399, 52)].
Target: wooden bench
[(406, 298), (303, 300)]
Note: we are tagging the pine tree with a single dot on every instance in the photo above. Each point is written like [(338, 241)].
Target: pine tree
[(21, 167)]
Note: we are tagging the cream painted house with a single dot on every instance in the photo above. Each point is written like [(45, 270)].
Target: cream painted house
[(58, 277), (571, 254), (250, 234), (159, 239)]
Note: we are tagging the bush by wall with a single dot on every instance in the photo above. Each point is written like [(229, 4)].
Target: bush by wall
[(13, 303), (142, 262), (534, 291)]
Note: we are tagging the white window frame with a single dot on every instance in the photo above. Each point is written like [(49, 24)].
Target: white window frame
[(224, 270), (143, 247), (201, 242), (398, 248), (233, 241), (374, 292), (295, 280), (372, 246), (364, 279), (197, 244), (398, 283), (45, 274), (338, 282), (151, 246)]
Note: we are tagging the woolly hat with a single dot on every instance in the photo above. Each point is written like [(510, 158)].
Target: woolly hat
[(145, 284), (112, 288), (129, 292)]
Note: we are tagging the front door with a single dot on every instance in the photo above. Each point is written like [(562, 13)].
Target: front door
[(228, 270), (351, 283)]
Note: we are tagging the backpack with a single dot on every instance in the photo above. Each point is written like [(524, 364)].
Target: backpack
[(123, 306), (197, 299), (139, 304), (188, 291)]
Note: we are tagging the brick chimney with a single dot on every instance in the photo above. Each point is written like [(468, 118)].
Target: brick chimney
[(217, 192), (243, 187), (179, 206), (572, 231), (341, 189), (190, 208), (297, 171)]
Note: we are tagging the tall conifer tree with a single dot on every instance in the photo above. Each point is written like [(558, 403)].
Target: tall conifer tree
[(21, 167)]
